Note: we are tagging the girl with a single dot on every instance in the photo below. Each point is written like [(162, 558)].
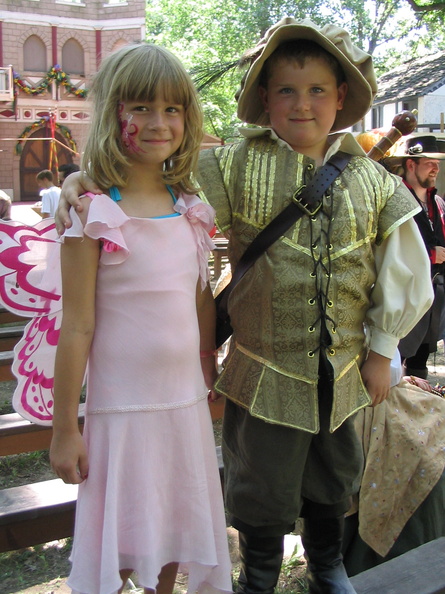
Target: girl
[(137, 310)]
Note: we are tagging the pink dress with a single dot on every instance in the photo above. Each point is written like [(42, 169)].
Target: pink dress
[(153, 494)]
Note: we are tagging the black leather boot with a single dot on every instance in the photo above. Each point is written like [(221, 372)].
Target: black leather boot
[(322, 540), (422, 373), (261, 560)]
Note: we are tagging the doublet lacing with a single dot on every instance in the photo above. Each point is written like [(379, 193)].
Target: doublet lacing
[(321, 248)]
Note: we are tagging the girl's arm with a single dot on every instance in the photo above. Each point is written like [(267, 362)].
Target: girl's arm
[(74, 186), (79, 259), (205, 305)]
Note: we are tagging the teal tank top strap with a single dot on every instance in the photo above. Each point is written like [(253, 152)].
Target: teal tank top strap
[(171, 194), (115, 195)]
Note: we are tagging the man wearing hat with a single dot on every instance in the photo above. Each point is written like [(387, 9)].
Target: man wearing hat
[(419, 161), (297, 368)]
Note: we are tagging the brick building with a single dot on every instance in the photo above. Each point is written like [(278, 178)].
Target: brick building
[(49, 49)]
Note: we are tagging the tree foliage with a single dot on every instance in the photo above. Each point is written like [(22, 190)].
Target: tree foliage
[(210, 35)]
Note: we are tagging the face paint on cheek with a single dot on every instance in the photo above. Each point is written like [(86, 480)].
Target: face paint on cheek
[(128, 130)]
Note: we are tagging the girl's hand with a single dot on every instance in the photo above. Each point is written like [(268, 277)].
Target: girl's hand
[(209, 370), (74, 186), (376, 375), (69, 458)]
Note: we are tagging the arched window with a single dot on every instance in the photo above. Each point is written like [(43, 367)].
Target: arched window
[(34, 55), (73, 61), (118, 44)]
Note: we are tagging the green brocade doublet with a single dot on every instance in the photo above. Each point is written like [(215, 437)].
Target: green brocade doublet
[(321, 272)]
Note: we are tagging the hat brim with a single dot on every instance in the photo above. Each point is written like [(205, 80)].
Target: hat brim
[(397, 159), (359, 96)]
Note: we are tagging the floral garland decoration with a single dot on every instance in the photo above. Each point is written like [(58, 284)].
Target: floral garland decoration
[(66, 133), (55, 74)]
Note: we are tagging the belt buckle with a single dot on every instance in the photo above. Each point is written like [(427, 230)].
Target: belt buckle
[(304, 207)]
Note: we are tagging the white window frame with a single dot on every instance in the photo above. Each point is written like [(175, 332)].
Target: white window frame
[(6, 76)]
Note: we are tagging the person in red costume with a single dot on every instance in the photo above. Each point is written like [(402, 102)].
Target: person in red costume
[(420, 164)]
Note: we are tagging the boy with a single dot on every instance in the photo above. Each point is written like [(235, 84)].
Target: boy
[(292, 377), (49, 194)]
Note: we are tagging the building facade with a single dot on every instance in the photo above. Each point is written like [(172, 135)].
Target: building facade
[(49, 50)]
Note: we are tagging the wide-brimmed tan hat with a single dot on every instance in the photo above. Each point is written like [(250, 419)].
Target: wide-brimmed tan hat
[(356, 64)]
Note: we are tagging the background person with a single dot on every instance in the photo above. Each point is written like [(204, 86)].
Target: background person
[(401, 502), (65, 170), (5, 206), (49, 195), (419, 161)]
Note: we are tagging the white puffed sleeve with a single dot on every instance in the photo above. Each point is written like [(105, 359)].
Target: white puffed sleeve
[(403, 291)]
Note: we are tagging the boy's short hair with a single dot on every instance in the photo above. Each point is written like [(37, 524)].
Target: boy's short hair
[(68, 168), (137, 72), (300, 50), (356, 65), (45, 174)]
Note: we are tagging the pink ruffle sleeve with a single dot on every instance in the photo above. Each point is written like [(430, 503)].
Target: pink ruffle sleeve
[(104, 222)]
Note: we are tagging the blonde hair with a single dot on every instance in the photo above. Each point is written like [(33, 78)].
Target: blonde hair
[(139, 72)]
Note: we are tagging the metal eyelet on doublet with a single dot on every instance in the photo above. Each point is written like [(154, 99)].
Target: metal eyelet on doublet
[(311, 301), (331, 352), (334, 330), (330, 303), (311, 329), (310, 167), (311, 354)]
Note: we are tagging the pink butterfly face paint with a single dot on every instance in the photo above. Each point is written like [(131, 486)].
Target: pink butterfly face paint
[(128, 130)]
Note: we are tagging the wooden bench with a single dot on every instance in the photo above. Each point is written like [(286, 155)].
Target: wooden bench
[(11, 331), (419, 571), (37, 513), (219, 253)]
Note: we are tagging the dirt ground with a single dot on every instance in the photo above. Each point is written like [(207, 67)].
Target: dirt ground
[(292, 577)]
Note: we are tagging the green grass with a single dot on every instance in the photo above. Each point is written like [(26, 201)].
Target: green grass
[(21, 469), (35, 565)]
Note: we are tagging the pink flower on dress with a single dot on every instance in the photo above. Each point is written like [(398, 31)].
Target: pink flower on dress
[(201, 214), (109, 246)]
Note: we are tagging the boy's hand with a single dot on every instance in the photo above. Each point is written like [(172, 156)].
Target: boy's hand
[(376, 375), (74, 186), (69, 458)]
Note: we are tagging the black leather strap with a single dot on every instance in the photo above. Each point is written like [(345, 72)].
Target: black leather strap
[(304, 203)]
